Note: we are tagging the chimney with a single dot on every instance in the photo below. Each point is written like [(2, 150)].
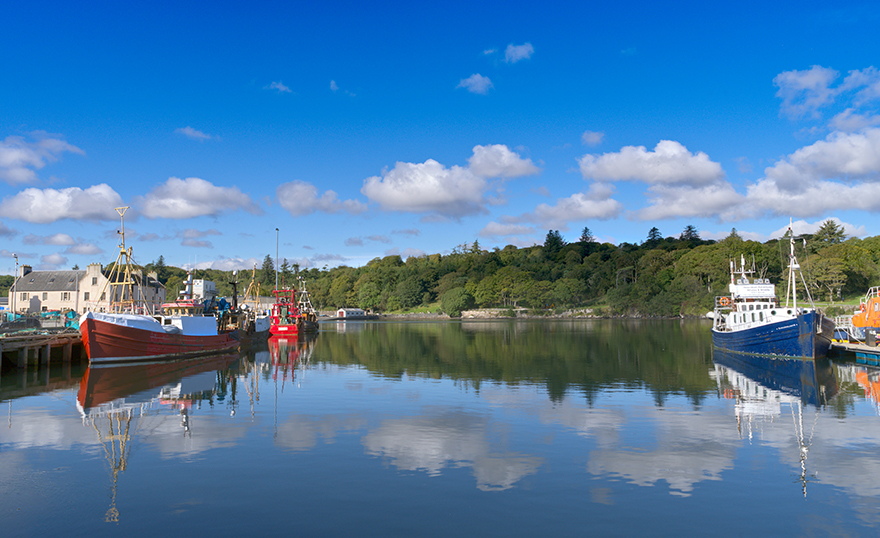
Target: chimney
[(24, 269)]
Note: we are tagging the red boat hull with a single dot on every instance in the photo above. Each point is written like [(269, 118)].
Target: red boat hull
[(108, 342), (281, 330)]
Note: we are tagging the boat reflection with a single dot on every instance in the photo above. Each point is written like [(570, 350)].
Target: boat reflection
[(288, 353), (811, 381), (763, 386), (105, 388), (114, 400)]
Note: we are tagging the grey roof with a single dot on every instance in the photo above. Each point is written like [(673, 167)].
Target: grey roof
[(49, 281)]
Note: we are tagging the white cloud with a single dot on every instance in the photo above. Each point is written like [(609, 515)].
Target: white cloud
[(577, 207), (193, 197), (442, 192), (813, 200), (496, 160), (868, 80), (845, 156), (191, 237), (196, 243), (592, 138), (669, 163), (42, 206), (58, 239), (279, 86), (195, 134), (804, 92), (495, 229), (839, 173), (19, 157), (428, 187), (514, 53), (333, 86), (850, 121), (354, 242), (718, 200), (84, 249), (301, 198), (225, 264), (476, 83), (51, 261)]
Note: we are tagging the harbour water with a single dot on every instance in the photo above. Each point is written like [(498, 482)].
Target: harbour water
[(497, 428)]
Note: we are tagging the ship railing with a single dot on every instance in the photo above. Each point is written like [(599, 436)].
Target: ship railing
[(853, 333), (871, 293)]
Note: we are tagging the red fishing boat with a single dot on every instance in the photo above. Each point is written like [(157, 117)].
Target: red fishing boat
[(292, 312)]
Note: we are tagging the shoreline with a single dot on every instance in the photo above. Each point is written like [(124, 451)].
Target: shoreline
[(502, 314)]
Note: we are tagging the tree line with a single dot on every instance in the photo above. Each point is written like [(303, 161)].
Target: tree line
[(662, 276)]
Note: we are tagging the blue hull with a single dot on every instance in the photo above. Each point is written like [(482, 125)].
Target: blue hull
[(812, 381), (801, 337)]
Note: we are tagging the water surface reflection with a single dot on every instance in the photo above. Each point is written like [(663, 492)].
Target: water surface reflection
[(511, 428)]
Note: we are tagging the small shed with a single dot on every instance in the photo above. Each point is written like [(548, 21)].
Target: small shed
[(350, 313)]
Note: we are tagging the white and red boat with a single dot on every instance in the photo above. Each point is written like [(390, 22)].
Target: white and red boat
[(115, 337), (292, 314), (128, 332)]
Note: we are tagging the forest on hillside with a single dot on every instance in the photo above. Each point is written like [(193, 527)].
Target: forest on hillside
[(662, 276)]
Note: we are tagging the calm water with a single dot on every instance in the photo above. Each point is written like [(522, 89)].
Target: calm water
[(447, 429)]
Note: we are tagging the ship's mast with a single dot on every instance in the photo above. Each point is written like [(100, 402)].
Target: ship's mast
[(120, 288)]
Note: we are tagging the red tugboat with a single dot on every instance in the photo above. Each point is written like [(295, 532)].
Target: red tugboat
[(292, 315)]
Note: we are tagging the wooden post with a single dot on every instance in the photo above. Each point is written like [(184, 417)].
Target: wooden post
[(65, 354), (44, 356), (22, 357)]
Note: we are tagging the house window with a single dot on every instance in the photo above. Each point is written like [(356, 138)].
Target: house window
[(104, 296), (94, 281), (65, 295), (24, 296), (85, 296), (45, 295)]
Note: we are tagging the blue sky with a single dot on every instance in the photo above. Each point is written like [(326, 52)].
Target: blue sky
[(364, 130)]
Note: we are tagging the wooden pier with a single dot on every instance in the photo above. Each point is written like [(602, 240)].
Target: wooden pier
[(41, 348)]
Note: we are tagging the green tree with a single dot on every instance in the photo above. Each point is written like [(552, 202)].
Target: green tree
[(409, 291), (368, 296), (654, 235), (285, 273), (829, 233), (455, 300), (267, 272), (587, 236), (690, 233), (553, 243)]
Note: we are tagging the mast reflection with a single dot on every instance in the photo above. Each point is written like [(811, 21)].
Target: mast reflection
[(763, 386)]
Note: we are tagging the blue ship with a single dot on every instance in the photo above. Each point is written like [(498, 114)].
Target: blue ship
[(751, 319)]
